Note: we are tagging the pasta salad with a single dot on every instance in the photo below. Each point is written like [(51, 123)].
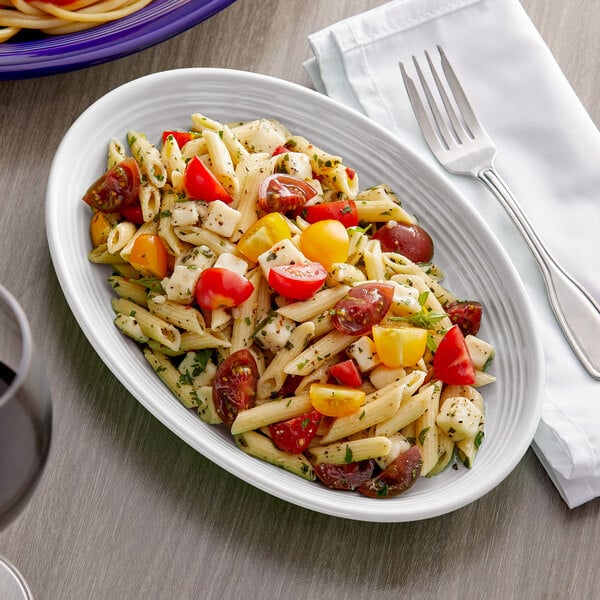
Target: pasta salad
[(278, 299)]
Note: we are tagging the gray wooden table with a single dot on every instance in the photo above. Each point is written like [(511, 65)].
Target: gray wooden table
[(125, 510)]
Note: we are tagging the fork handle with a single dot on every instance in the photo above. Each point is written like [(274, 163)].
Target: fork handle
[(576, 312)]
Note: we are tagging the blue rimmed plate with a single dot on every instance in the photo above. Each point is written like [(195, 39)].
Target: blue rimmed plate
[(156, 22)]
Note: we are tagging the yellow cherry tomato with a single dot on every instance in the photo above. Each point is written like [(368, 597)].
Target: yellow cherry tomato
[(149, 255), (266, 232), (399, 346), (99, 228), (326, 242), (335, 400)]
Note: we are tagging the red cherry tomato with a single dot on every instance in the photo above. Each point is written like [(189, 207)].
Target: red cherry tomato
[(294, 435), (346, 373), (362, 307), (298, 282), (345, 476), (116, 188), (466, 314), (133, 213), (222, 288), (201, 184), (342, 210), (234, 385), (281, 192), (181, 137), (452, 362), (411, 241), (397, 477)]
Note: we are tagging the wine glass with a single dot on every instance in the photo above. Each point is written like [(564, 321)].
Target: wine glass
[(25, 427)]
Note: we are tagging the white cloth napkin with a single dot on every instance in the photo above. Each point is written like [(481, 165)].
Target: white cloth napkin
[(548, 152)]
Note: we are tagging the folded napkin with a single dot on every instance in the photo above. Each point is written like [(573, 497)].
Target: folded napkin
[(548, 152)]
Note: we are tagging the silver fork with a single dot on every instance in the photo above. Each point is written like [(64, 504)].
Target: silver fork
[(460, 144)]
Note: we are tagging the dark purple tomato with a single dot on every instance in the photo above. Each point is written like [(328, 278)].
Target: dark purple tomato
[(466, 314), (117, 188), (234, 385), (347, 476), (281, 192), (362, 307), (411, 241), (397, 477)]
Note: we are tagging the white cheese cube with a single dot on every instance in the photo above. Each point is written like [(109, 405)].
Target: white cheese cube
[(381, 375), (185, 213), (281, 253), (405, 300), (221, 218), (363, 352), (294, 163), (181, 285), (275, 333), (459, 418), (233, 263)]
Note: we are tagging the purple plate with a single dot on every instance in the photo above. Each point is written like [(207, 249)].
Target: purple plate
[(156, 22)]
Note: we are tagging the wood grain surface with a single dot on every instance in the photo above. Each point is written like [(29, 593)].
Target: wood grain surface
[(127, 511)]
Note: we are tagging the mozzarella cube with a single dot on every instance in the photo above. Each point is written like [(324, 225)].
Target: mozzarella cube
[(181, 285), (405, 300), (275, 333), (233, 263), (185, 213), (459, 418), (363, 352), (221, 218), (281, 253)]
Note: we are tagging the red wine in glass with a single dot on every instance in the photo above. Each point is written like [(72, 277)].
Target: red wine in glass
[(25, 427), (24, 444)]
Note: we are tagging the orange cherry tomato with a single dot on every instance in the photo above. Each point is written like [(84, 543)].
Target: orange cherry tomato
[(149, 255), (99, 228), (326, 242)]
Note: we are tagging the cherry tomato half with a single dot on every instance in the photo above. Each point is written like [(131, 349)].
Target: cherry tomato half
[(346, 476), (222, 288), (132, 213), (344, 211), (181, 137), (299, 282), (234, 385), (411, 241), (326, 242), (199, 183), (399, 346), (335, 400), (362, 307), (281, 192), (294, 435), (397, 477), (466, 314), (452, 362), (346, 373), (263, 234), (116, 188)]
